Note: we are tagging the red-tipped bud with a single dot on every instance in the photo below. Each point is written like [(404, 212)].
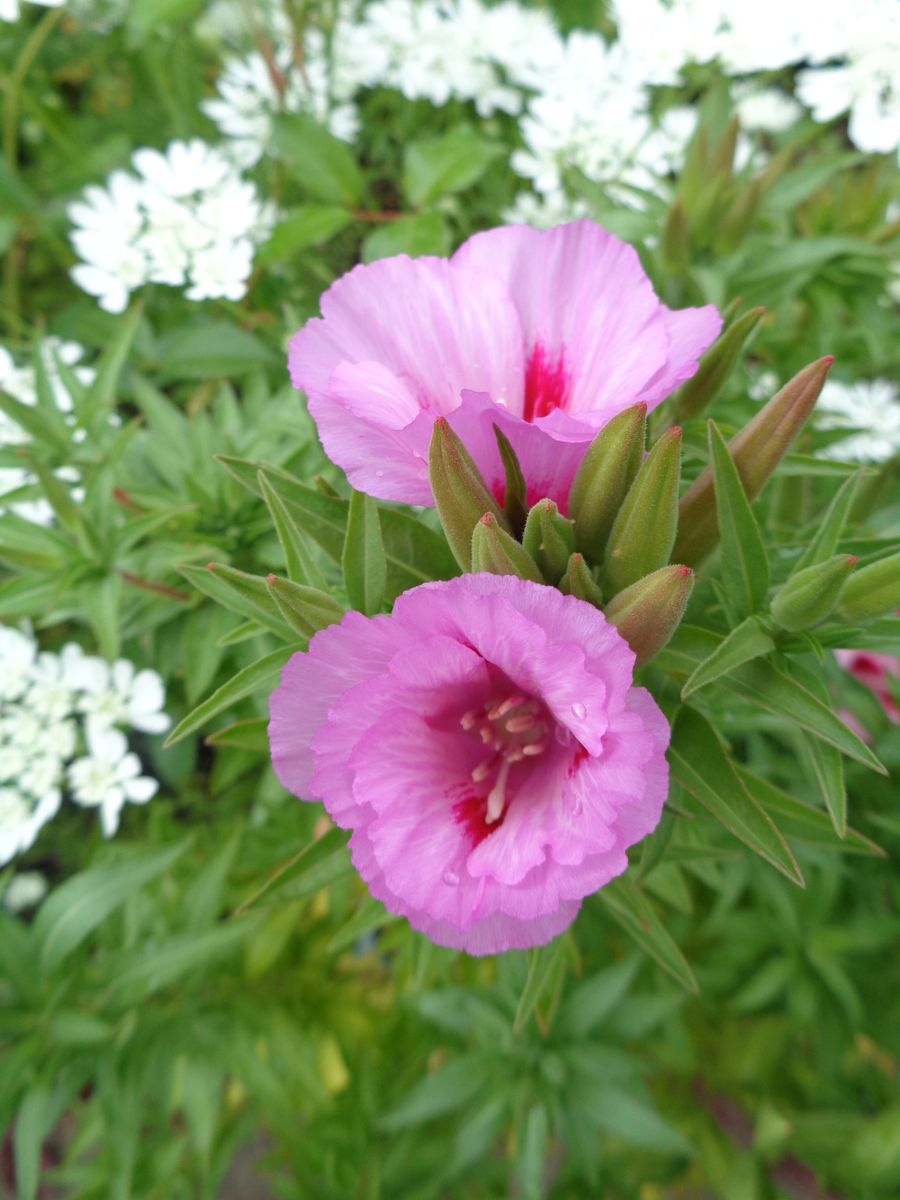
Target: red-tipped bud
[(496, 551), (873, 591), (460, 493), (648, 612)]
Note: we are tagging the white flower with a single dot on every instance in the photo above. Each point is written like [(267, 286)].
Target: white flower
[(119, 694), (188, 216), (768, 109), (21, 819), (16, 659), (109, 776), (25, 890), (10, 10), (871, 409)]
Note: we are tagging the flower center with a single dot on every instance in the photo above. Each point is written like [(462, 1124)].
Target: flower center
[(512, 729), (546, 383)]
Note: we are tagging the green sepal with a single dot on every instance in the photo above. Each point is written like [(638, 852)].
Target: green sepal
[(873, 591), (715, 366), (643, 532), (809, 596), (306, 609), (496, 551), (756, 450), (460, 493), (515, 503), (604, 477), (549, 538), (648, 612), (578, 581)]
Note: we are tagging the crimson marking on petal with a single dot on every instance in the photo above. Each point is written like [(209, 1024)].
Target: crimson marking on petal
[(580, 755), (546, 383), (471, 813)]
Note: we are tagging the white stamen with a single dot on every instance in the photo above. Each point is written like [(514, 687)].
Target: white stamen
[(468, 719), (483, 769), (497, 795), (501, 709), (521, 723), (534, 748)]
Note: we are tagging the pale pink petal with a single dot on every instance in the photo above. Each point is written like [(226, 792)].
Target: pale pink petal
[(690, 331)]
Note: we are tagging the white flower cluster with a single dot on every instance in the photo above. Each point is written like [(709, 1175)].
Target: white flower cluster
[(585, 103), (870, 409), (11, 10), (21, 383), (185, 217), (61, 730)]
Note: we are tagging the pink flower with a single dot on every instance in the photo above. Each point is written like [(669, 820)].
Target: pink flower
[(548, 333), (874, 671), (487, 748)]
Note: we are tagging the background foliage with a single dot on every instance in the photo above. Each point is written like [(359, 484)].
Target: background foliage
[(214, 992)]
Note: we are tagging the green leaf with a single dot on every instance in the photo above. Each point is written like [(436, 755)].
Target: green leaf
[(437, 166), (546, 965), (632, 910), (635, 1121), (744, 562), (701, 766), (251, 734), (101, 396), (306, 225), (47, 428), (148, 969), (212, 350), (828, 532), (748, 640), (305, 609), (259, 676), (300, 564), (75, 909), (311, 868), (424, 233), (145, 16), (202, 900), (587, 1004), (38, 1113), (823, 764), (442, 1091), (532, 1155), (803, 822), (363, 560), (322, 165), (246, 595)]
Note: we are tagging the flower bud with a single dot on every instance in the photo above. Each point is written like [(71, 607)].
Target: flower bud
[(304, 608), (757, 450), (715, 366), (873, 591), (578, 581), (604, 477), (496, 551), (648, 612), (460, 493), (809, 595), (644, 529), (549, 538), (675, 242)]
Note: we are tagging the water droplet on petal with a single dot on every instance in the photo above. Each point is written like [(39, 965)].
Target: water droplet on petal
[(451, 878), (579, 712), (502, 402), (379, 474), (562, 735)]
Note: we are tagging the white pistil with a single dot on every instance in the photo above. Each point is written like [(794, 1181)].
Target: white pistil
[(496, 800)]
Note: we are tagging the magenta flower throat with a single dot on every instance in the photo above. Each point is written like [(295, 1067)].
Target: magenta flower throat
[(487, 748)]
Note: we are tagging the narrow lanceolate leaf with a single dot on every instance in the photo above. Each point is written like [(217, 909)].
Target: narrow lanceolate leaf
[(244, 594), (300, 564), (715, 366), (824, 764), (748, 640), (648, 613), (496, 551), (602, 481), (257, 677), (515, 496), (549, 538), (634, 912), (828, 532), (802, 822), (578, 581), (643, 531), (700, 764), (305, 609), (101, 395), (77, 907), (756, 450), (546, 966), (460, 493), (872, 591), (809, 596), (744, 562), (363, 560)]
